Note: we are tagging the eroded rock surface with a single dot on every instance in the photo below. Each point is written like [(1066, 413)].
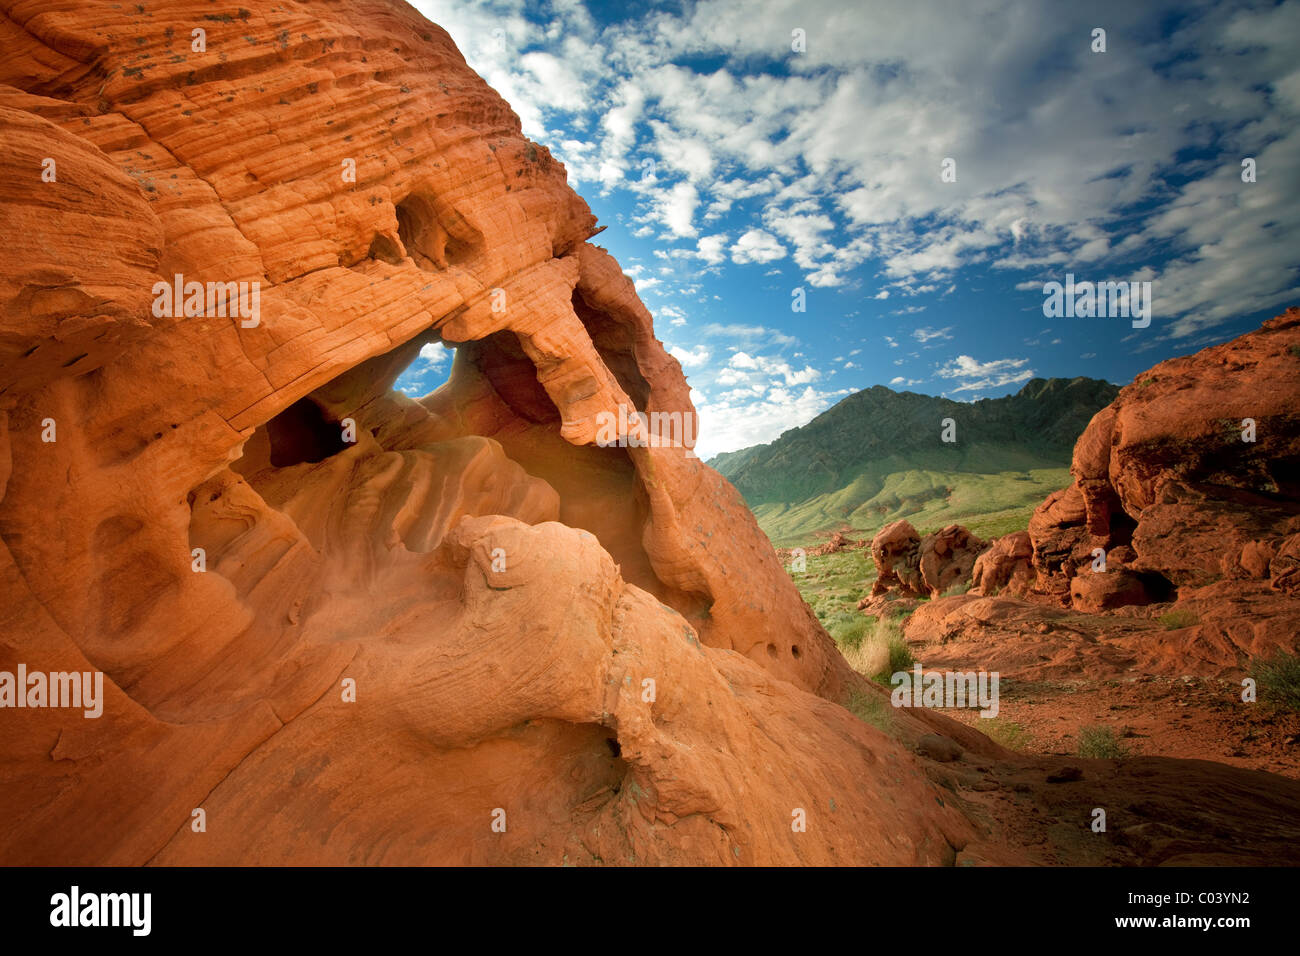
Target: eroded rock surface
[(947, 558), (915, 566), (895, 550), (349, 625), (1007, 564), (355, 627)]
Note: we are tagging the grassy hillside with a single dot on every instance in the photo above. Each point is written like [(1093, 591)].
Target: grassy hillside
[(987, 504), (878, 456)]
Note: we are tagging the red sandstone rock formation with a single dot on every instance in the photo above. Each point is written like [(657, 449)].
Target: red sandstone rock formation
[(947, 557), (349, 626), (895, 550), (918, 566), (1195, 466), (241, 525), (1102, 591), (1189, 483), (836, 543), (1007, 564), (1188, 516)]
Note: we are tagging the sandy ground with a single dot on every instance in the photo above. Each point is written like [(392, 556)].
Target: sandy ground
[(1186, 717)]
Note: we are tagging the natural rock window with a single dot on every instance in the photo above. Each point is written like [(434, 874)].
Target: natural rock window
[(302, 433)]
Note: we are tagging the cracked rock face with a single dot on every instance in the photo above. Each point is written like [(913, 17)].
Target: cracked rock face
[(347, 625)]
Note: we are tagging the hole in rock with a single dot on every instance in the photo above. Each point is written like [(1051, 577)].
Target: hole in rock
[(1159, 587), (429, 370), (614, 747), (385, 250), (434, 241), (1285, 473), (311, 429), (615, 342), (794, 650), (301, 433), (600, 491), (1120, 531), (512, 374)]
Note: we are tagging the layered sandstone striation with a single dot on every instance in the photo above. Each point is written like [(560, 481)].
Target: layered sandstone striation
[(354, 627), (348, 625)]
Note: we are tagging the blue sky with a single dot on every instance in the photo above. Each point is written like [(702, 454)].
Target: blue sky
[(731, 170)]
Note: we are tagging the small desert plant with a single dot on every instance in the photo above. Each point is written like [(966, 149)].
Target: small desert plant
[(1101, 743), (1278, 679), (900, 655), (880, 653), (873, 709), (1006, 732), (867, 657), (957, 587), (1173, 620), (848, 628)]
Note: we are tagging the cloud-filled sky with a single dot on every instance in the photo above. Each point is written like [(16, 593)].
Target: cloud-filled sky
[(742, 151)]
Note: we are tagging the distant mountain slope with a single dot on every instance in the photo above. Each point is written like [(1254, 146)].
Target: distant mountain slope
[(878, 455)]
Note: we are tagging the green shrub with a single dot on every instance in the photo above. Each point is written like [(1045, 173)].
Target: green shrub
[(1173, 620), (889, 635), (880, 649), (1005, 732), (848, 629), (1100, 742), (1278, 680)]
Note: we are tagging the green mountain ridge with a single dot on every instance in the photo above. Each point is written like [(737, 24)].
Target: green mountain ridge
[(878, 455)]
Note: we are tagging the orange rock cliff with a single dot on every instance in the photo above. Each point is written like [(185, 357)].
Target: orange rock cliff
[(338, 625), (370, 650)]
